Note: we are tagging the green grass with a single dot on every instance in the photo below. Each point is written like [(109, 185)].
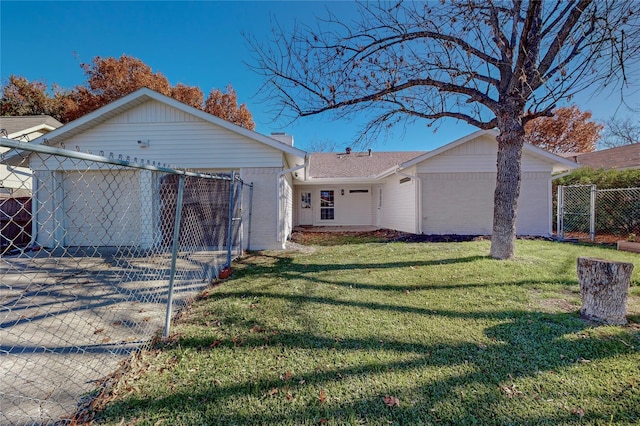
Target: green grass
[(456, 337)]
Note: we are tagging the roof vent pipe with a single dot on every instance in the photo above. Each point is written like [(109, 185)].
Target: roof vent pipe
[(369, 152), (348, 150)]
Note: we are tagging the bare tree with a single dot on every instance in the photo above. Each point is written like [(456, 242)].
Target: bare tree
[(492, 64), (620, 131)]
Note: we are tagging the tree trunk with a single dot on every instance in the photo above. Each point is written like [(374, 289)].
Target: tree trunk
[(604, 286), (505, 200)]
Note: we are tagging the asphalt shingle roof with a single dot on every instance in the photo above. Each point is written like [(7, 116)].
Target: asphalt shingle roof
[(356, 164), (621, 157), (16, 124)]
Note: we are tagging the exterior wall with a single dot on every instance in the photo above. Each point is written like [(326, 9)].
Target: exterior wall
[(458, 190), (264, 225), (478, 155), (15, 178), (534, 205), (176, 139), (399, 205), (458, 203), (98, 212), (462, 203), (352, 208), (286, 212), (48, 220), (181, 140)]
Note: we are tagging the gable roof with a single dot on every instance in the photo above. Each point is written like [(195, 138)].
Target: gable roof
[(26, 124), (143, 95), (328, 165), (620, 157), (559, 163)]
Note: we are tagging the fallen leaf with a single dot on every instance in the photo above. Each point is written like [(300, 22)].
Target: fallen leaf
[(323, 396), (578, 412), (256, 329), (289, 396), (391, 401), (273, 391), (287, 375), (511, 391), (215, 343), (98, 331)]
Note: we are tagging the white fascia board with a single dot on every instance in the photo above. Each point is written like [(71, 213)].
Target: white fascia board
[(33, 129)]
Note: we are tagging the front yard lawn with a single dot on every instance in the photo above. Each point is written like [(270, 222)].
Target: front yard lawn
[(390, 333)]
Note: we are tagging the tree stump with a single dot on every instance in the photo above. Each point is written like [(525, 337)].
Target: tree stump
[(604, 286)]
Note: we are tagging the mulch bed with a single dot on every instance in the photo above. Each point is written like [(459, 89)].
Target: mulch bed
[(388, 236)]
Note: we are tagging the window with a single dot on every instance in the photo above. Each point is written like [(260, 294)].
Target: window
[(305, 201), (327, 211)]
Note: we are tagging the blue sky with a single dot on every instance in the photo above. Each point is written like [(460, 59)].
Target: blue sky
[(195, 43)]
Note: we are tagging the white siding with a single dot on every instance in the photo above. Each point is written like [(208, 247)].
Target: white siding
[(286, 212), (175, 139), (462, 203), (48, 219), (478, 155), (15, 178), (102, 208), (399, 206), (534, 206), (264, 208), (458, 203)]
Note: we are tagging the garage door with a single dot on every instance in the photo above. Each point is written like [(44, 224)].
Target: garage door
[(458, 203), (102, 208)]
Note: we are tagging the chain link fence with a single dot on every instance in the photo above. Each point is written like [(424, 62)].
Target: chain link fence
[(587, 213), (93, 266)]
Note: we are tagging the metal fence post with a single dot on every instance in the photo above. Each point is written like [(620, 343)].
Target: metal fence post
[(231, 209), (174, 254), (560, 214), (592, 214), (250, 211)]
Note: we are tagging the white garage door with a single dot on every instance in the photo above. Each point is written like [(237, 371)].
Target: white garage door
[(102, 208)]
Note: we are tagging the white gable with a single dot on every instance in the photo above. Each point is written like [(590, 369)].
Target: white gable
[(176, 138), (479, 155)]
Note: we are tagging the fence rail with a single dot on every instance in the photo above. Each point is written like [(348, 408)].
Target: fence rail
[(585, 212), (113, 248)]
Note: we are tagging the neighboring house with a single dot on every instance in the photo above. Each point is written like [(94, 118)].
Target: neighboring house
[(16, 181), (621, 158), (174, 134), (446, 191)]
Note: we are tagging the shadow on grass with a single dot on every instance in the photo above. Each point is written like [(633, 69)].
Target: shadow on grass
[(466, 382), (527, 345)]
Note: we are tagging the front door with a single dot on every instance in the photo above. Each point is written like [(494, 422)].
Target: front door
[(305, 215)]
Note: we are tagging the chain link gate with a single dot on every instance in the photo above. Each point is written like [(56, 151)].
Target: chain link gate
[(604, 215), (93, 264)]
